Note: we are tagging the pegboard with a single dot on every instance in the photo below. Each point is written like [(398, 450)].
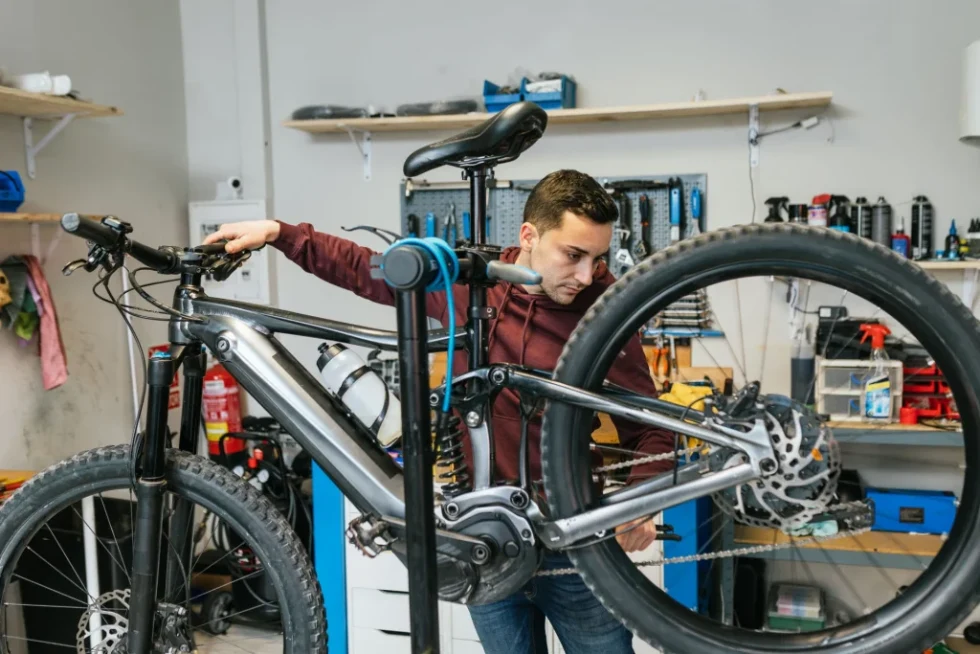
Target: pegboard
[(505, 207)]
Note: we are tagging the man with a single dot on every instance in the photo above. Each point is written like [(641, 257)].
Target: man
[(567, 229)]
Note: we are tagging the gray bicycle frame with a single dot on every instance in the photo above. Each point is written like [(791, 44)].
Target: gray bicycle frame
[(242, 336)]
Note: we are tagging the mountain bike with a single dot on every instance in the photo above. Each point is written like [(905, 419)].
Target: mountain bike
[(766, 460)]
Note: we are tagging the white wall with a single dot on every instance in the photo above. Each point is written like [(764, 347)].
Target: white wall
[(893, 65), (134, 166), (225, 89), (894, 72)]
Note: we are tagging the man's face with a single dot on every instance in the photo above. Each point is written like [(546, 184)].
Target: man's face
[(566, 257)]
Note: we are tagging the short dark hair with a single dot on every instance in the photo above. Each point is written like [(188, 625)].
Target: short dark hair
[(568, 190)]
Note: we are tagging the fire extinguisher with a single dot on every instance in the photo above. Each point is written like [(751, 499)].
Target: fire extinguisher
[(222, 411)]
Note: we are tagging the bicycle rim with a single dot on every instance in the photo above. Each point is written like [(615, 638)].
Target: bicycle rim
[(719, 259)]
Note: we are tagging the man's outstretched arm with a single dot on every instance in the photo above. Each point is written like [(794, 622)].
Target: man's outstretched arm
[(336, 260)]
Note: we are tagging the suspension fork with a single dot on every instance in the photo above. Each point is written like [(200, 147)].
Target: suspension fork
[(150, 487), (179, 556)]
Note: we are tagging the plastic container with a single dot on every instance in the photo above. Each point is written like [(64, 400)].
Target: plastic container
[(817, 215), (560, 93), (495, 100), (11, 191), (359, 388), (912, 511), (840, 388)]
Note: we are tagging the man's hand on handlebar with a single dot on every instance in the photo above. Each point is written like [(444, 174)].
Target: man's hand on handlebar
[(249, 235)]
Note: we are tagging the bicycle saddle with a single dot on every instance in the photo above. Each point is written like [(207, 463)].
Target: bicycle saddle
[(499, 139)]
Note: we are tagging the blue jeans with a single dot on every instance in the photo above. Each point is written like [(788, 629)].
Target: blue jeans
[(515, 625)]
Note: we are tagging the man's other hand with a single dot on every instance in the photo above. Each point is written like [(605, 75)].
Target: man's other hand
[(249, 235), (639, 538)]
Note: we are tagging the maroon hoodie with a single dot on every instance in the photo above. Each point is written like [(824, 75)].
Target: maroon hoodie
[(529, 330)]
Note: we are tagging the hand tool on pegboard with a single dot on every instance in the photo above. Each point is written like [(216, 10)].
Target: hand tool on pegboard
[(635, 185), (644, 246), (430, 225), (449, 230), (676, 209), (413, 225), (696, 226), (624, 229)]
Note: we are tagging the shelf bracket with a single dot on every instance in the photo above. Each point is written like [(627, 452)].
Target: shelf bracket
[(753, 135), (30, 150), (364, 147)]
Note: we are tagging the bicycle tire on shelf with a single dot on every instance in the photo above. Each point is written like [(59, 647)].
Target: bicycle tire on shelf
[(236, 503), (945, 593)]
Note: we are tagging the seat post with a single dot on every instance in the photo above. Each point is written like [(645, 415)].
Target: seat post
[(478, 203)]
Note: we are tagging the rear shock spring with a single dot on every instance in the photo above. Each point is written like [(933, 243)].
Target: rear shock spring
[(449, 455)]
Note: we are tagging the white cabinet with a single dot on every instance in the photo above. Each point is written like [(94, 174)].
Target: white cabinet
[(378, 615)]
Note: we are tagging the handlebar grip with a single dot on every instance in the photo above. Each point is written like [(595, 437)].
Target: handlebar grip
[(101, 234), (90, 230), (513, 273)]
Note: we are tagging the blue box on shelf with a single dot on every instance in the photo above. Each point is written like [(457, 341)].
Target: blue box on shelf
[(912, 511), (495, 100), (11, 191), (560, 93)]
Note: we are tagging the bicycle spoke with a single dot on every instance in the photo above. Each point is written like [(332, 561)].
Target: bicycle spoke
[(765, 333), (741, 332), (104, 546), (38, 641), (82, 603), (55, 568), (65, 554)]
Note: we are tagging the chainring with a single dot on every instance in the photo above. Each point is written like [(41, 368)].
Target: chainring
[(111, 635), (805, 483)]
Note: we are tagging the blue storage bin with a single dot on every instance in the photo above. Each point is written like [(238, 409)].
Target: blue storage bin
[(495, 100), (561, 99), (912, 511), (11, 191)]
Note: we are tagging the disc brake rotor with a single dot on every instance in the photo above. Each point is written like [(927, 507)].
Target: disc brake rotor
[(110, 636), (806, 481)]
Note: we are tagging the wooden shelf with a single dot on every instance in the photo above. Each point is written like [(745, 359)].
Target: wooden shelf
[(949, 265), (14, 102), (572, 116), (874, 548), (30, 218)]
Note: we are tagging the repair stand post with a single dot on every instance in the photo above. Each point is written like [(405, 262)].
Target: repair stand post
[(417, 452)]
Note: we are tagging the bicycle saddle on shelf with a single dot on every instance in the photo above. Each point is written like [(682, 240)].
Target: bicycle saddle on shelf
[(499, 139)]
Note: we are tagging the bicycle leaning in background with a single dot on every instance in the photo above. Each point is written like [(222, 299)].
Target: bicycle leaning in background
[(766, 460)]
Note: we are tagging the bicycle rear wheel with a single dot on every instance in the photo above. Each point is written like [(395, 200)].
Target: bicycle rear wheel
[(931, 606), (251, 554)]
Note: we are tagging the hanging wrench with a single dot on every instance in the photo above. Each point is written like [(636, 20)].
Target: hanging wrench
[(644, 245), (624, 230)]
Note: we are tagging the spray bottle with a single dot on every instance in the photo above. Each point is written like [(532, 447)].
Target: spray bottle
[(877, 388), (776, 207)]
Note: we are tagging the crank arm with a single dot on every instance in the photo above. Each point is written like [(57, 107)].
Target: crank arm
[(456, 546)]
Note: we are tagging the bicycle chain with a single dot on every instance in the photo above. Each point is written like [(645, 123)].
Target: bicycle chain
[(741, 551), (647, 459)]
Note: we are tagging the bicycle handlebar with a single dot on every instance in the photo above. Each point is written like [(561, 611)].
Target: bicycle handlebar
[(112, 238)]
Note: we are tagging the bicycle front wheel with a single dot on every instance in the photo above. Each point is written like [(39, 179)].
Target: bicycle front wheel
[(243, 550), (714, 269)]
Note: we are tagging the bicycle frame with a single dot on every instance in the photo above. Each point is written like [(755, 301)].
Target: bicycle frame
[(243, 338)]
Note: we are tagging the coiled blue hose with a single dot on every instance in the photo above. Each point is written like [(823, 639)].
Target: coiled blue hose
[(439, 250)]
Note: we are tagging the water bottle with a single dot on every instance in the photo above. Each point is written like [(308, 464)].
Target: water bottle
[(352, 381)]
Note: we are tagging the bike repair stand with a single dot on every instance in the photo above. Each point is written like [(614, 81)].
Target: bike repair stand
[(407, 267), (409, 270)]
